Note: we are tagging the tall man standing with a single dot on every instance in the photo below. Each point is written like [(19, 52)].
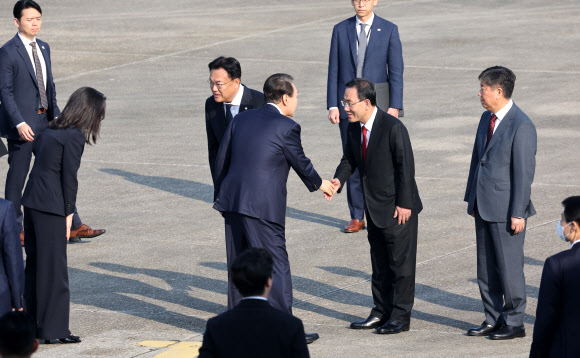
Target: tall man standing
[(498, 196), (378, 145), (28, 99), (377, 56), (250, 182), (229, 98)]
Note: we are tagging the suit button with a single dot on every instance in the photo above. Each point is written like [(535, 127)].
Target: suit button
[(482, 164), (364, 177)]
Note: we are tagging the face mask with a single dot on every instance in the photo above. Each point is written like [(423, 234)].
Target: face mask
[(560, 230)]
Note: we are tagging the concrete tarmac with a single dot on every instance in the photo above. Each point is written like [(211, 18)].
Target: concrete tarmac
[(159, 272)]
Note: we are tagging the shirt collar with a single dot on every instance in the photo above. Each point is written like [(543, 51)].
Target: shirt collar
[(369, 23), (502, 112), (25, 40), (278, 108), (369, 123), (238, 98), (255, 298), (574, 243)]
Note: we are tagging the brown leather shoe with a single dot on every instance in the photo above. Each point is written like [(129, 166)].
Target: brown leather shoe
[(84, 231), (22, 238), (354, 226)]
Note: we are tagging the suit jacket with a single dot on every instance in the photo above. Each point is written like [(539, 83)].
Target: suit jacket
[(11, 261), (556, 331), (501, 175), (52, 183), (19, 90), (253, 163), (388, 178), (383, 60), (254, 329), (215, 121)]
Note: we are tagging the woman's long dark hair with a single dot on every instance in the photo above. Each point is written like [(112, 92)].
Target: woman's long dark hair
[(84, 110)]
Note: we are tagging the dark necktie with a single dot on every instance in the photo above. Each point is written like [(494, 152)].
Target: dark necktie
[(362, 48), (39, 78), (229, 116), (490, 129), (364, 144)]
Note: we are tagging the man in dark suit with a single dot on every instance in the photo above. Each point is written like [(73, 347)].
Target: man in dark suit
[(498, 196), (11, 261), (378, 145), (28, 97), (556, 331), (254, 328), (376, 56), (251, 181), (229, 98)]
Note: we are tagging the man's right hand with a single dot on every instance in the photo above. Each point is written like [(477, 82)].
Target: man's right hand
[(26, 132), (334, 115)]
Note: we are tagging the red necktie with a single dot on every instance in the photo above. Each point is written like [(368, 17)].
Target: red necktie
[(490, 129), (364, 143)]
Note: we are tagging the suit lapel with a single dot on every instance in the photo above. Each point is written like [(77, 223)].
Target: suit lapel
[(376, 132), (356, 134), (46, 62), (246, 102), (373, 38), (502, 127), (352, 40), (22, 51)]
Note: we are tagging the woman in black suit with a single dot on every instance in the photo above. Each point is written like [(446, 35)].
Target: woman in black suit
[(49, 203)]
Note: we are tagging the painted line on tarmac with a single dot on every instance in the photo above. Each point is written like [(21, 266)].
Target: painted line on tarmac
[(175, 349)]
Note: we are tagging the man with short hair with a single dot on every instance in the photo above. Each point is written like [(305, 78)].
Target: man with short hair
[(17, 336), (28, 98), (375, 53), (254, 328), (229, 97), (378, 145), (498, 193), (251, 171)]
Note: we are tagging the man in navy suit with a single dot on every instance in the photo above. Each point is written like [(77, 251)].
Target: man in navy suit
[(11, 261), (251, 181), (556, 331), (376, 56), (498, 194), (229, 97), (28, 97), (254, 328)]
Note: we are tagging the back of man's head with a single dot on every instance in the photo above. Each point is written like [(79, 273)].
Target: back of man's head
[(17, 338), (276, 86), (251, 271)]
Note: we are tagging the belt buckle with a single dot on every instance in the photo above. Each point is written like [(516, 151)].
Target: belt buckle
[(41, 110)]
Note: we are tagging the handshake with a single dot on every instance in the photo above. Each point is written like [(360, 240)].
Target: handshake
[(330, 188)]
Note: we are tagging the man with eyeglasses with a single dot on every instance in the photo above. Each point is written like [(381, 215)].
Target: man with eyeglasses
[(378, 145), (377, 56), (229, 98)]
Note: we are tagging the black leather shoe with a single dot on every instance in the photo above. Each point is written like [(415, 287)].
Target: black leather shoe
[(484, 330), (311, 337), (508, 332), (69, 339), (371, 322), (393, 327)]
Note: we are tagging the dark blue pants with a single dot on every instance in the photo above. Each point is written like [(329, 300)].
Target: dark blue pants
[(243, 232), (354, 191), (46, 290)]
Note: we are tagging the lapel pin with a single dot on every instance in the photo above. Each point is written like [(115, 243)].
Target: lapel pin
[(245, 108), (42, 47), (378, 29)]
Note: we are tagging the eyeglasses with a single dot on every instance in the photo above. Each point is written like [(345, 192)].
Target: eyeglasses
[(219, 85), (346, 104), (361, 1)]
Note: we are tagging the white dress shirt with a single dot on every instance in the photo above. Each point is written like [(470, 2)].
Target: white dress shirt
[(235, 109), (501, 114), (367, 29)]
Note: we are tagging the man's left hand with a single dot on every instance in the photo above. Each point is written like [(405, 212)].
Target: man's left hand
[(518, 225), (402, 214), (393, 112)]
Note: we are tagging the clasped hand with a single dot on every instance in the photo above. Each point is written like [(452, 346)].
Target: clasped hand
[(330, 188)]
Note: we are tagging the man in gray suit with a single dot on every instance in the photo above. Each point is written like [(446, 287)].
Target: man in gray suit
[(498, 196)]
